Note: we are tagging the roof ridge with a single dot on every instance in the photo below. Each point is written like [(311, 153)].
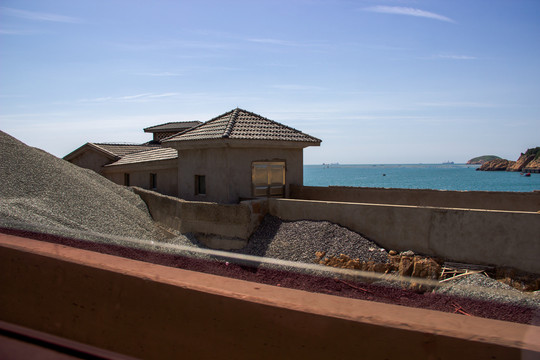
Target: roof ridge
[(184, 131), (231, 123)]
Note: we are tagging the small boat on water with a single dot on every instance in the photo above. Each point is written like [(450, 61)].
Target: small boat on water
[(526, 174)]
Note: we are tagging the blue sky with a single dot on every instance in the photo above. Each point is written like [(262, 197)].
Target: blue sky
[(378, 81)]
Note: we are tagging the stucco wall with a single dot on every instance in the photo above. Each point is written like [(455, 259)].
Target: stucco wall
[(517, 201), (151, 311), (502, 238), (228, 171), (225, 220), (139, 175), (92, 160)]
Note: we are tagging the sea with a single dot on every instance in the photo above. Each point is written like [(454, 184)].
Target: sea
[(461, 177)]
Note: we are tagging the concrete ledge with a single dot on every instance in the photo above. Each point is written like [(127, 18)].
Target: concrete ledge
[(503, 238), (488, 200), (151, 311)]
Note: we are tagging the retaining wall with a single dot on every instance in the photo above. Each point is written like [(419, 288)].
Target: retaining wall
[(503, 238), (155, 312), (229, 223), (490, 237), (490, 200)]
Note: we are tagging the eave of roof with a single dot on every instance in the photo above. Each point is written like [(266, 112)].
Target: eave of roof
[(159, 154), (90, 146), (110, 150)]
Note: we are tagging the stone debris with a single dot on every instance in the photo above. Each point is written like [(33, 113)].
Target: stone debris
[(402, 265)]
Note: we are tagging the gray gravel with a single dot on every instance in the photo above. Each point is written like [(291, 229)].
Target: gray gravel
[(299, 240), (40, 191), (480, 286)]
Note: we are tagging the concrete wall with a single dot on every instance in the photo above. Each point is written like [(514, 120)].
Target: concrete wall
[(502, 238), (515, 201), (488, 237), (228, 171), (139, 175), (151, 311), (224, 220)]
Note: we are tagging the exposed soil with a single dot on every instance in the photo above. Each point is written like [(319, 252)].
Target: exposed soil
[(312, 283)]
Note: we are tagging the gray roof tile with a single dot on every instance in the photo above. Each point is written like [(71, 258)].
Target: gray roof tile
[(120, 150), (173, 126), (243, 125), (148, 155)]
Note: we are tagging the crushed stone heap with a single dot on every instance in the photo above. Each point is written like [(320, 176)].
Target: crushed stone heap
[(300, 240), (40, 192)]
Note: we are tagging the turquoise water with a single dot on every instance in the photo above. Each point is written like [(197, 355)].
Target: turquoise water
[(419, 176)]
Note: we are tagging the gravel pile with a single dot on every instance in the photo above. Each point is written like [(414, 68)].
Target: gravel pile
[(480, 286), (299, 240), (40, 192)]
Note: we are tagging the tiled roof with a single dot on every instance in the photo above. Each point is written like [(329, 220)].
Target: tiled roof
[(145, 156), (173, 126), (243, 125), (121, 150)]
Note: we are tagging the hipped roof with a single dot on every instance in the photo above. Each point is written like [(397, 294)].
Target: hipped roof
[(243, 125)]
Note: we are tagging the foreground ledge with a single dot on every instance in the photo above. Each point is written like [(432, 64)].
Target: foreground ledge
[(152, 311)]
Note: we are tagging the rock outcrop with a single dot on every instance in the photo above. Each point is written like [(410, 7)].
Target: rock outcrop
[(533, 166), (522, 162), (496, 165), (527, 162)]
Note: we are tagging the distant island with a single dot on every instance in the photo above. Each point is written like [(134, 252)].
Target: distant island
[(479, 160), (528, 162)]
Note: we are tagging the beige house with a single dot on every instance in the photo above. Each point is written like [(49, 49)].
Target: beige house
[(237, 155), (149, 165)]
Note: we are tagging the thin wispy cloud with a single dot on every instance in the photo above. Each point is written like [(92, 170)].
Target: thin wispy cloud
[(14, 32), (161, 74), (455, 57), (287, 43), (296, 87), (398, 10), (272, 41), (175, 44), (39, 16), (144, 97), (459, 104)]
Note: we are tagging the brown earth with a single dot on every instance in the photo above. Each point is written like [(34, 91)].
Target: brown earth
[(327, 285)]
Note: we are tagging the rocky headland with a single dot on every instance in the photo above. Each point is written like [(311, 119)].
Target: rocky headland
[(527, 162)]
